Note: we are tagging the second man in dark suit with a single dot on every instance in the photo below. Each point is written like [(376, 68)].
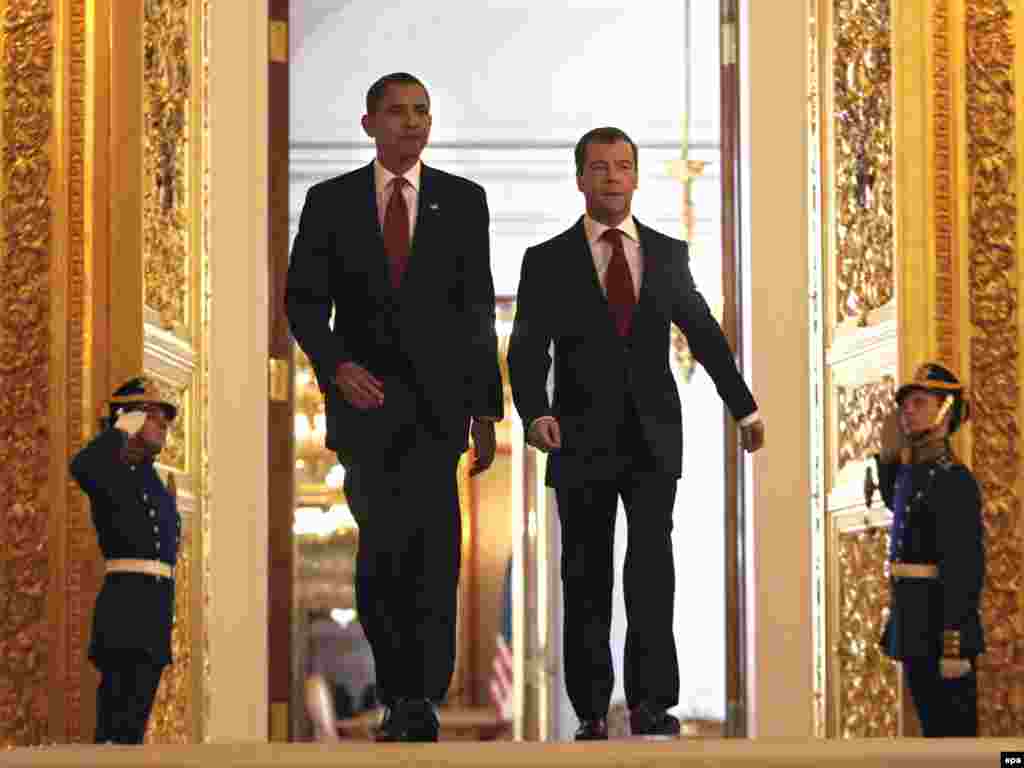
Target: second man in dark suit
[(605, 292), (399, 252)]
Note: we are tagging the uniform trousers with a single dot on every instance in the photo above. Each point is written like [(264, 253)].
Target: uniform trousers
[(124, 699), (587, 514), (944, 707)]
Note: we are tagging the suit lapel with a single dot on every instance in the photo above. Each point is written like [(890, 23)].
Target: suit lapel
[(651, 277), (583, 261)]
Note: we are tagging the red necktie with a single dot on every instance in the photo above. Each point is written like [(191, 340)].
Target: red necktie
[(618, 284), (396, 232)]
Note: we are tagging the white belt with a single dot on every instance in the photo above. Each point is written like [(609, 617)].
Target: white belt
[(150, 567), (915, 571)]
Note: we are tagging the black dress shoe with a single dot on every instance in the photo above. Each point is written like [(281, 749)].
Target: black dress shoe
[(391, 728), (644, 721), (592, 730), (422, 722)]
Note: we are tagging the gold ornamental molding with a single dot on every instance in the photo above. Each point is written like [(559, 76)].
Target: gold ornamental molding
[(862, 146), (944, 217), (168, 75), (993, 287), (867, 684), (26, 430)]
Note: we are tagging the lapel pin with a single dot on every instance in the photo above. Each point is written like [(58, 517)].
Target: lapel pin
[(434, 206)]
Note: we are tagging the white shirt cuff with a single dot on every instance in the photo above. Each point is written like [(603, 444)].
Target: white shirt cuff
[(746, 421)]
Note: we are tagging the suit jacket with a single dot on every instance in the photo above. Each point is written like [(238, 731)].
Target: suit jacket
[(942, 526), (432, 341), (136, 517), (560, 300)]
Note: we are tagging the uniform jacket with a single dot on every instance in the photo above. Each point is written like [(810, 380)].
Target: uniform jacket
[(942, 526), (135, 517)]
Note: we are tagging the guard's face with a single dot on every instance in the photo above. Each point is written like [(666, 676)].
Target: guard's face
[(918, 410), (401, 123), (154, 430), (608, 181)]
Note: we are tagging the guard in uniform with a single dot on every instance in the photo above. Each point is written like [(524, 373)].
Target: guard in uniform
[(139, 530), (937, 554)]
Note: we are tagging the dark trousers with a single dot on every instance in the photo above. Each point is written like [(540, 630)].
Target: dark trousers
[(944, 707), (587, 514), (407, 567), (125, 696)]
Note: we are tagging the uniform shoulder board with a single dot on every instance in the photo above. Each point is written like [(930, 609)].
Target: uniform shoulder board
[(948, 462), (172, 485)]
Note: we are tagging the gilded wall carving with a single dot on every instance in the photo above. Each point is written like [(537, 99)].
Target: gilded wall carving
[(25, 438), (943, 199), (78, 594), (861, 411), (171, 722), (862, 118), (175, 452), (203, 688), (992, 289), (167, 96), (868, 682)]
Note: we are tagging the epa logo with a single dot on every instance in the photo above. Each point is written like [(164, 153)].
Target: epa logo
[(1013, 760)]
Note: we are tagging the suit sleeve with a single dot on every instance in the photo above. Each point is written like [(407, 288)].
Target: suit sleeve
[(960, 543), (486, 398), (706, 340), (308, 301), (528, 357), (93, 466)]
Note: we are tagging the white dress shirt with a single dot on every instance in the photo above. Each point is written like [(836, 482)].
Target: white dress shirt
[(601, 250), (384, 187)]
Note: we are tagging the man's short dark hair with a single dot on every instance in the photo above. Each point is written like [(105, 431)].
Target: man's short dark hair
[(376, 92), (607, 135)]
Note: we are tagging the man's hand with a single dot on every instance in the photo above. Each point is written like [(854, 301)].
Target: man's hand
[(893, 439), (950, 669), (752, 436), (358, 386), (544, 434), (485, 444)]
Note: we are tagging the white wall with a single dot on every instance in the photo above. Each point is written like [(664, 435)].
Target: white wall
[(237, 417), (773, 60)]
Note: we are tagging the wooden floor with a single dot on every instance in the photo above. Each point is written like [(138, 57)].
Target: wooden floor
[(627, 753)]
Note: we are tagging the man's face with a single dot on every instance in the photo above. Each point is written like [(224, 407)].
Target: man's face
[(401, 124), (918, 410), (608, 181), (154, 429)]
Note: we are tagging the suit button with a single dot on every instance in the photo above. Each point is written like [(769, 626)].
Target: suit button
[(145, 497), (152, 513), (156, 529)]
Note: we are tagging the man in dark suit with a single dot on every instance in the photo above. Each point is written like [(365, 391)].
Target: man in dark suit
[(605, 292), (400, 252), (139, 531)]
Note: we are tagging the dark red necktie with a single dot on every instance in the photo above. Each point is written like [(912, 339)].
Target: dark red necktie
[(396, 232), (618, 284)]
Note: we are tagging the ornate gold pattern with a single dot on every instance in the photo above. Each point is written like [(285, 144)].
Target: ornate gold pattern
[(78, 595), (25, 346), (171, 722), (861, 411), (175, 452), (203, 687), (167, 95), (862, 82), (868, 682), (992, 290), (945, 207)]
